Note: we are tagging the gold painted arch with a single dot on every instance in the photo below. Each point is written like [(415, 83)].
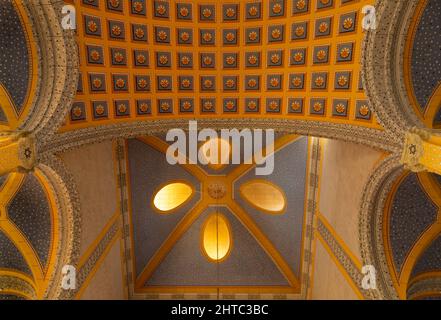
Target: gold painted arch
[(42, 277), (434, 103), (402, 280), (14, 119)]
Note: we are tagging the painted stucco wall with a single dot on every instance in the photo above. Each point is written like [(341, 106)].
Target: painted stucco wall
[(106, 283), (329, 282), (345, 171), (92, 168), (346, 168)]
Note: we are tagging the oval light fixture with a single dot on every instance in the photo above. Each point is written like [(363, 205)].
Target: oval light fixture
[(223, 148), (264, 195), (172, 196), (216, 237)]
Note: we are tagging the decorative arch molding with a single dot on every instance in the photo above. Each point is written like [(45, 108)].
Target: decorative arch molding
[(383, 67), (16, 284), (425, 287), (371, 238), (371, 235), (371, 137), (384, 83), (68, 208), (57, 70)]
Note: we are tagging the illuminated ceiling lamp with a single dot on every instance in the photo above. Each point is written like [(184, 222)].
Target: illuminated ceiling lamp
[(219, 160), (172, 196), (216, 237), (264, 196)]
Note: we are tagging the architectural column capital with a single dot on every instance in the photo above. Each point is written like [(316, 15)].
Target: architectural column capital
[(422, 151), (17, 153)]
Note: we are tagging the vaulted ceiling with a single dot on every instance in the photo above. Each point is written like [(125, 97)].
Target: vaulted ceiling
[(412, 228), (142, 60), (18, 68), (294, 65), (28, 236), (264, 250), (423, 68), (412, 213)]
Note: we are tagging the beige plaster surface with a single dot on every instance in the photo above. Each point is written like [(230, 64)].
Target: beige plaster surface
[(107, 283), (346, 168), (92, 168), (328, 282)]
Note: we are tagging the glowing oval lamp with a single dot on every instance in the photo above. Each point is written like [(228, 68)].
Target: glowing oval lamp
[(264, 196), (172, 196), (216, 237), (223, 148)]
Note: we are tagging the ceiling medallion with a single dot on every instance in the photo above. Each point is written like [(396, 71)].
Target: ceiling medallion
[(206, 13), (114, 3), (297, 82), (77, 112), (253, 11), (301, 4), (340, 108), (100, 110), (184, 12), (295, 106), (277, 8), (364, 110), (217, 190), (139, 33), (138, 6)]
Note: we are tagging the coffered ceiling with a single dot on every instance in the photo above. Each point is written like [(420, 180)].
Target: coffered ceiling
[(144, 60)]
